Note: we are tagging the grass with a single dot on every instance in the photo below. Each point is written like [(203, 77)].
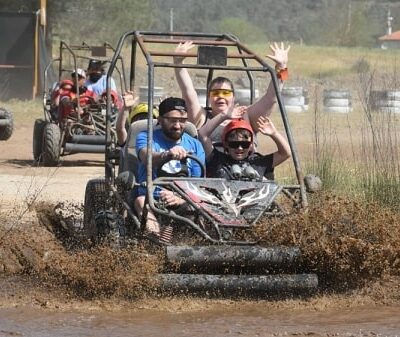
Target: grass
[(24, 111), (341, 148)]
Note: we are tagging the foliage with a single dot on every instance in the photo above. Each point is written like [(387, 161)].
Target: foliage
[(103, 20), (317, 22), (244, 30)]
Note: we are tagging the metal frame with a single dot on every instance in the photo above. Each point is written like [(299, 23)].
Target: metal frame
[(78, 54), (142, 41)]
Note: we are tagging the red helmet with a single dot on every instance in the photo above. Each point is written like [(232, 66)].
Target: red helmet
[(66, 82), (236, 124)]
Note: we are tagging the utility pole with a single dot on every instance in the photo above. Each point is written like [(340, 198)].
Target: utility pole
[(171, 20), (389, 22), (348, 18)]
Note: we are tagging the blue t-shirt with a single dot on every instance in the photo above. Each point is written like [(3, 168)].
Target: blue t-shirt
[(100, 86), (162, 144)]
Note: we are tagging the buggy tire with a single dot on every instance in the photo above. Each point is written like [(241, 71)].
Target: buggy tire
[(37, 140), (95, 201), (6, 130), (51, 145)]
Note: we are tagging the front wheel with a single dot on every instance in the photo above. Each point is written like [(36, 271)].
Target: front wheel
[(37, 140), (51, 145), (95, 204)]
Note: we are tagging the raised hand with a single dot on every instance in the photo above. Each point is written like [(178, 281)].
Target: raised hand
[(265, 126), (182, 48), (279, 54), (130, 99), (235, 112)]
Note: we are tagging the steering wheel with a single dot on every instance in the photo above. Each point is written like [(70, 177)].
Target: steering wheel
[(181, 173)]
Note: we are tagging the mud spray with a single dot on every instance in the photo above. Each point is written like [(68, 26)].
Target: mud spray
[(353, 247)]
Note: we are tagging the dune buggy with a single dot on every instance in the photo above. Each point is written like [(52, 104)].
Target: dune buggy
[(82, 131), (209, 250)]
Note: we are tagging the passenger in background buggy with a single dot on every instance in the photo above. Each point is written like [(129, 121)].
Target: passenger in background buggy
[(239, 161), (68, 107)]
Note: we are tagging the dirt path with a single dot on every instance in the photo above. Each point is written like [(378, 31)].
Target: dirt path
[(20, 178)]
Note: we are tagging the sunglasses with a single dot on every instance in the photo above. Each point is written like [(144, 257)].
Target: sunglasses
[(173, 120), (221, 93), (244, 144)]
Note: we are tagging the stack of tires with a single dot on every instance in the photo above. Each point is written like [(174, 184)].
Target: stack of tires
[(157, 96), (338, 101), (242, 96), (202, 95), (295, 99), (386, 101), (6, 124)]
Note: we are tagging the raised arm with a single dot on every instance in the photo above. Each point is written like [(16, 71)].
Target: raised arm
[(196, 113), (130, 100), (266, 127), (264, 106), (207, 129)]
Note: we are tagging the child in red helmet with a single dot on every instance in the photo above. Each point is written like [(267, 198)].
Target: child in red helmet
[(68, 98), (239, 160)]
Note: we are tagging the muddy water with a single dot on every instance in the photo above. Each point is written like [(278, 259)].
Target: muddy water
[(68, 289), (255, 321)]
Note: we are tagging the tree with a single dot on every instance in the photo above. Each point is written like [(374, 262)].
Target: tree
[(98, 20), (243, 29)]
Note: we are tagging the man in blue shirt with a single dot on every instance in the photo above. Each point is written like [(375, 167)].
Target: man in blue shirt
[(97, 79), (169, 142)]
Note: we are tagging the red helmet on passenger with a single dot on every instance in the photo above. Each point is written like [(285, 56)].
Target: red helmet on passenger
[(66, 82), (234, 125)]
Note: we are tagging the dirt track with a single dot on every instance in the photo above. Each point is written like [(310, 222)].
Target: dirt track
[(20, 178)]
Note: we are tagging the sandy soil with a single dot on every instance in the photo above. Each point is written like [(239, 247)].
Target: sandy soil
[(20, 178)]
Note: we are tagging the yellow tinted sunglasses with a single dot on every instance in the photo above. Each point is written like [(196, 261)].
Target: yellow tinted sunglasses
[(221, 93)]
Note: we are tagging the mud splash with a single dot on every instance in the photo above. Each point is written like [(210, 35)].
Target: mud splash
[(346, 242), (354, 249), (49, 248)]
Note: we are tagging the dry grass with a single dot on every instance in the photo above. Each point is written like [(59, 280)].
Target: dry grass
[(338, 146)]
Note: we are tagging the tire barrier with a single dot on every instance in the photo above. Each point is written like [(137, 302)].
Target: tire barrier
[(338, 101), (385, 101), (157, 96), (202, 95), (295, 99), (242, 96)]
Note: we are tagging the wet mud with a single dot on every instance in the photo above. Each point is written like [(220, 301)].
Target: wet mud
[(47, 264)]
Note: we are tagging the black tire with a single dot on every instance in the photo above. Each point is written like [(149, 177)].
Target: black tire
[(37, 140), (51, 145), (6, 130), (95, 202)]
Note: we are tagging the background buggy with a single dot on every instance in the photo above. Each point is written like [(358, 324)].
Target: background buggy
[(80, 132)]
